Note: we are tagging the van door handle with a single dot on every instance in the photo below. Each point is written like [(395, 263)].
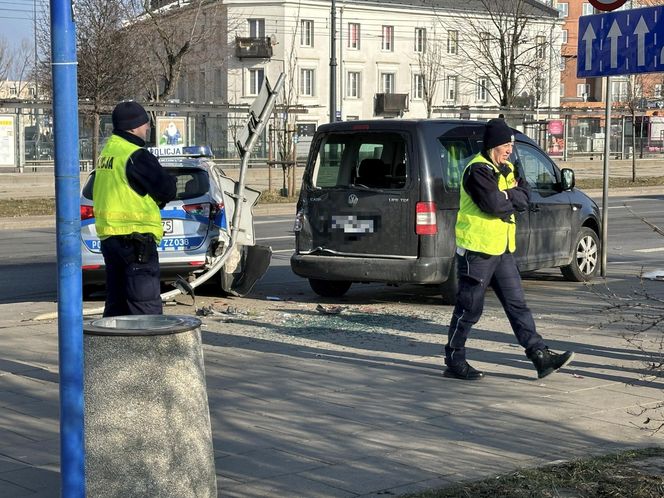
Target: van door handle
[(534, 208)]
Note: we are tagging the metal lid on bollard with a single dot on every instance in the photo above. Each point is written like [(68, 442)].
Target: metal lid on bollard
[(137, 325)]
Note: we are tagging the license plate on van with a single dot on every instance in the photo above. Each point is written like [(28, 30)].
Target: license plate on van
[(167, 225)]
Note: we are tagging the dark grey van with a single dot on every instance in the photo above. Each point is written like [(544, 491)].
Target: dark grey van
[(379, 200)]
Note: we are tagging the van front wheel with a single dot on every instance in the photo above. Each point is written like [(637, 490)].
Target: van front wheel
[(329, 288), (585, 259)]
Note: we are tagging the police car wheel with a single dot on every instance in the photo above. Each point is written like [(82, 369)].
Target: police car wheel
[(585, 257), (329, 288)]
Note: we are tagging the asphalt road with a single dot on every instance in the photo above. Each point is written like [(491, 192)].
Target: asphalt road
[(28, 262)]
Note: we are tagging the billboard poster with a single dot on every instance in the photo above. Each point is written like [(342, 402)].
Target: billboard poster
[(556, 137), (7, 141), (171, 130)]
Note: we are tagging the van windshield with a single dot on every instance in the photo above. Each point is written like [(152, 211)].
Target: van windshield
[(369, 160)]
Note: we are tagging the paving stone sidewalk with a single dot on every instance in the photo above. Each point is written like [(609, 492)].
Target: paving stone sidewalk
[(313, 405)]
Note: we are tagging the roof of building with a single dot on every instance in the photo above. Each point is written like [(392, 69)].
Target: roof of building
[(538, 8)]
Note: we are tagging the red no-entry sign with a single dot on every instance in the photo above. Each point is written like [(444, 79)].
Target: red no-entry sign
[(607, 5)]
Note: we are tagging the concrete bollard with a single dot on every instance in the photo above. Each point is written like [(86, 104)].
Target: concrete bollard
[(147, 418)]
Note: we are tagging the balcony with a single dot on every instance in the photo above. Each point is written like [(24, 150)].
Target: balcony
[(390, 104), (253, 47)]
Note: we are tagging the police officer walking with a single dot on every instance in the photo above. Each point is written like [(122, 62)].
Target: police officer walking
[(130, 187), (486, 241)]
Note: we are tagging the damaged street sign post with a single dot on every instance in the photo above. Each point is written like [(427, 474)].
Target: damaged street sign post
[(257, 257)]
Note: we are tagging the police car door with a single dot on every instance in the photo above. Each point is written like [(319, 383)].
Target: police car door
[(550, 209)]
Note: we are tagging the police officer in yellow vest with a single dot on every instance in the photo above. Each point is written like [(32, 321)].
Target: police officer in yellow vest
[(486, 241), (130, 187)]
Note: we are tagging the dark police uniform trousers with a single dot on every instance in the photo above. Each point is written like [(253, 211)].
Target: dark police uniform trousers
[(476, 271), (132, 287)]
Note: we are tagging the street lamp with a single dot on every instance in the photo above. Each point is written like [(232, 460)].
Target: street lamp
[(333, 62)]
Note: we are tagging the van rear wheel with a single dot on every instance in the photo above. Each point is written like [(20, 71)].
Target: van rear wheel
[(329, 288)]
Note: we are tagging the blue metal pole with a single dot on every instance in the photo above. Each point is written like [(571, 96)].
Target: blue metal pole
[(68, 227)]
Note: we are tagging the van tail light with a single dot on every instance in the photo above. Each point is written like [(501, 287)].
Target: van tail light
[(425, 218), (297, 225), (87, 212)]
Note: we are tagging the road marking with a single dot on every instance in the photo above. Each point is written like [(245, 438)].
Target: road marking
[(652, 249), (283, 250), (265, 222), (275, 238)]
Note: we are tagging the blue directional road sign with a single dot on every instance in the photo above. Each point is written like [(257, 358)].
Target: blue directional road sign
[(622, 42)]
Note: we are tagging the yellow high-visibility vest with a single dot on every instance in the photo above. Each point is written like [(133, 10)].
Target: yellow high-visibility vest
[(118, 209), (482, 232)]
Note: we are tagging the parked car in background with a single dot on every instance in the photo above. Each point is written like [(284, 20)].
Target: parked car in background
[(379, 201), (197, 225)]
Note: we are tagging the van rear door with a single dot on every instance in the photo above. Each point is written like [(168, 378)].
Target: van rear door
[(360, 196)]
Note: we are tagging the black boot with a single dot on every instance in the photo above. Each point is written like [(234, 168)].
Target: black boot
[(462, 371), (546, 362)]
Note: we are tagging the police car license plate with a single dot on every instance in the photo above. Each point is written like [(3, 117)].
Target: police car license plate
[(167, 225)]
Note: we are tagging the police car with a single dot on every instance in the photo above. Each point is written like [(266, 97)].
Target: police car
[(197, 225)]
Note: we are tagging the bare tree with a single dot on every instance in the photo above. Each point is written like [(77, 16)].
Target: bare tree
[(430, 62), (165, 38), (103, 73), (16, 65), (504, 41)]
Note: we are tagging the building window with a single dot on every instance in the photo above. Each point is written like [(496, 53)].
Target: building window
[(451, 88), (418, 86), (201, 86), (540, 47), (619, 90), (307, 82), (452, 42), (388, 38), (485, 42), (256, 28), (306, 33), (218, 78), (354, 35), (255, 80), (12, 91), (582, 90), (563, 9), (387, 82), (32, 92), (563, 62), (353, 84), (658, 90), (588, 9), (564, 36), (482, 89), (562, 90), (420, 39)]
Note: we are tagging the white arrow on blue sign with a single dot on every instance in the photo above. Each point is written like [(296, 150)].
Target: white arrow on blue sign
[(623, 42)]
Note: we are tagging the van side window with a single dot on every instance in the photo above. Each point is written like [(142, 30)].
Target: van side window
[(363, 160), (326, 172), (454, 154), (539, 171)]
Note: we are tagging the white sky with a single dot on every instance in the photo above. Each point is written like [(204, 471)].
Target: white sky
[(17, 20)]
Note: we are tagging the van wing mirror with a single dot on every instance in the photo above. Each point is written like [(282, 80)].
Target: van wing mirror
[(567, 179)]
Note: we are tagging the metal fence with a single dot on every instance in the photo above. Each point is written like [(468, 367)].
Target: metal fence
[(567, 137)]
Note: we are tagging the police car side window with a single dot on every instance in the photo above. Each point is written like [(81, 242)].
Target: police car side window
[(538, 170)]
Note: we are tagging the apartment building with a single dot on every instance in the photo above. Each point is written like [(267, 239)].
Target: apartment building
[(384, 63)]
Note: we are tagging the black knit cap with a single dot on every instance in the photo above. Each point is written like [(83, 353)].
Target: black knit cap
[(496, 133), (129, 115)]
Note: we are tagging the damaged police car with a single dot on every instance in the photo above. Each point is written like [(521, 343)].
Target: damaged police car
[(197, 226)]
